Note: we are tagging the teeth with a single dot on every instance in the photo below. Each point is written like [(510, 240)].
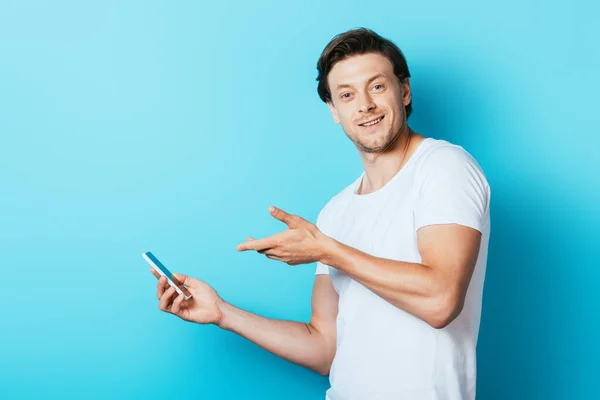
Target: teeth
[(373, 122)]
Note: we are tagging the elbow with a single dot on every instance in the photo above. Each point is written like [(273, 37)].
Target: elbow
[(325, 368), (440, 322), (446, 309)]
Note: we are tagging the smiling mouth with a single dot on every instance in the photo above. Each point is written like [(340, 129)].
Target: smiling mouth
[(373, 122)]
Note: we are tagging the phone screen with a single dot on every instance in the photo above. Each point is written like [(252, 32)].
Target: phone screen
[(154, 261)]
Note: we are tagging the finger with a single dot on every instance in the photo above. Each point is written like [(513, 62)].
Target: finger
[(281, 215), (249, 239), (263, 251), (274, 255), (156, 274), (260, 244), (165, 300), (181, 281), (160, 287), (175, 308)]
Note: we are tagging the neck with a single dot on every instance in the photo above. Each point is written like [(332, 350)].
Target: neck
[(381, 167)]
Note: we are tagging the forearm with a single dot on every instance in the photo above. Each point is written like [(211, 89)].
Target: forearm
[(300, 343), (412, 287)]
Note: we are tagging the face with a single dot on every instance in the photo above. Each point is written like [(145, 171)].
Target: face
[(364, 90)]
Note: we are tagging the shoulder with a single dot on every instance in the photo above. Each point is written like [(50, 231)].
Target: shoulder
[(444, 159), (451, 187), (441, 153)]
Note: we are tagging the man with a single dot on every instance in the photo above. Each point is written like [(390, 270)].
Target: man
[(401, 252)]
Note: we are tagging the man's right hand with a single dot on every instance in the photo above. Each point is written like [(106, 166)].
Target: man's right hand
[(203, 307)]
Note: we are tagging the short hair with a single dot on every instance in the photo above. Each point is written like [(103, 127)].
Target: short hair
[(355, 42)]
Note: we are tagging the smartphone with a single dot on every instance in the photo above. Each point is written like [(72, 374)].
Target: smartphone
[(161, 269)]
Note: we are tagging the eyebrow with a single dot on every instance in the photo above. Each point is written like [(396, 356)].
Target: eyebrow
[(346, 85)]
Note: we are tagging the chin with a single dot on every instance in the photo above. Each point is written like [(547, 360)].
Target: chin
[(375, 145), (371, 143), (372, 147)]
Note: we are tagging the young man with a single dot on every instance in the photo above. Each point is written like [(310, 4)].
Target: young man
[(401, 252)]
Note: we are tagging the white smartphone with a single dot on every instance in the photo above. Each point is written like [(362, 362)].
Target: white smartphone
[(161, 269)]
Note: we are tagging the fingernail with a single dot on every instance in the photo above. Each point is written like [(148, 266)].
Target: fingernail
[(272, 209)]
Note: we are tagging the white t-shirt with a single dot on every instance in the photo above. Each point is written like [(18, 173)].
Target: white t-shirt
[(382, 351)]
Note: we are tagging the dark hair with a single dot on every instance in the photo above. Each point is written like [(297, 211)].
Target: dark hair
[(355, 42)]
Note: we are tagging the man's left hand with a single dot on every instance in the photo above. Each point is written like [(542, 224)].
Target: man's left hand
[(301, 243)]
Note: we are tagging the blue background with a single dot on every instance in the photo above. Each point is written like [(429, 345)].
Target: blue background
[(172, 126)]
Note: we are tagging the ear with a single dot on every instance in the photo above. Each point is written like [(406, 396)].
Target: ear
[(334, 112), (406, 93)]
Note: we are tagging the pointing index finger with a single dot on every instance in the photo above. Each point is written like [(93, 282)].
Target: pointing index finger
[(260, 244)]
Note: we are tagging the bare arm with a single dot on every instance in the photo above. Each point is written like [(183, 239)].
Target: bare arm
[(433, 290), (311, 345)]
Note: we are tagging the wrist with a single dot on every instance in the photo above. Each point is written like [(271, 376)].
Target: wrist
[(223, 309), (328, 249)]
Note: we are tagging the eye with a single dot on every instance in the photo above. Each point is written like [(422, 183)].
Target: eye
[(345, 96), (378, 85)]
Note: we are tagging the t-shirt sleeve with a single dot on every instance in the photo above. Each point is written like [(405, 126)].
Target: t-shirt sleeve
[(321, 268), (451, 189)]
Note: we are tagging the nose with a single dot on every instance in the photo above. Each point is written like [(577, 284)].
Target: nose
[(366, 104)]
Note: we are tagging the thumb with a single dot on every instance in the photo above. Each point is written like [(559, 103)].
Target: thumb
[(180, 279), (282, 216)]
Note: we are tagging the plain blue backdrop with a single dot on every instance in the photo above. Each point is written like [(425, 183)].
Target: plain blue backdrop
[(132, 126)]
